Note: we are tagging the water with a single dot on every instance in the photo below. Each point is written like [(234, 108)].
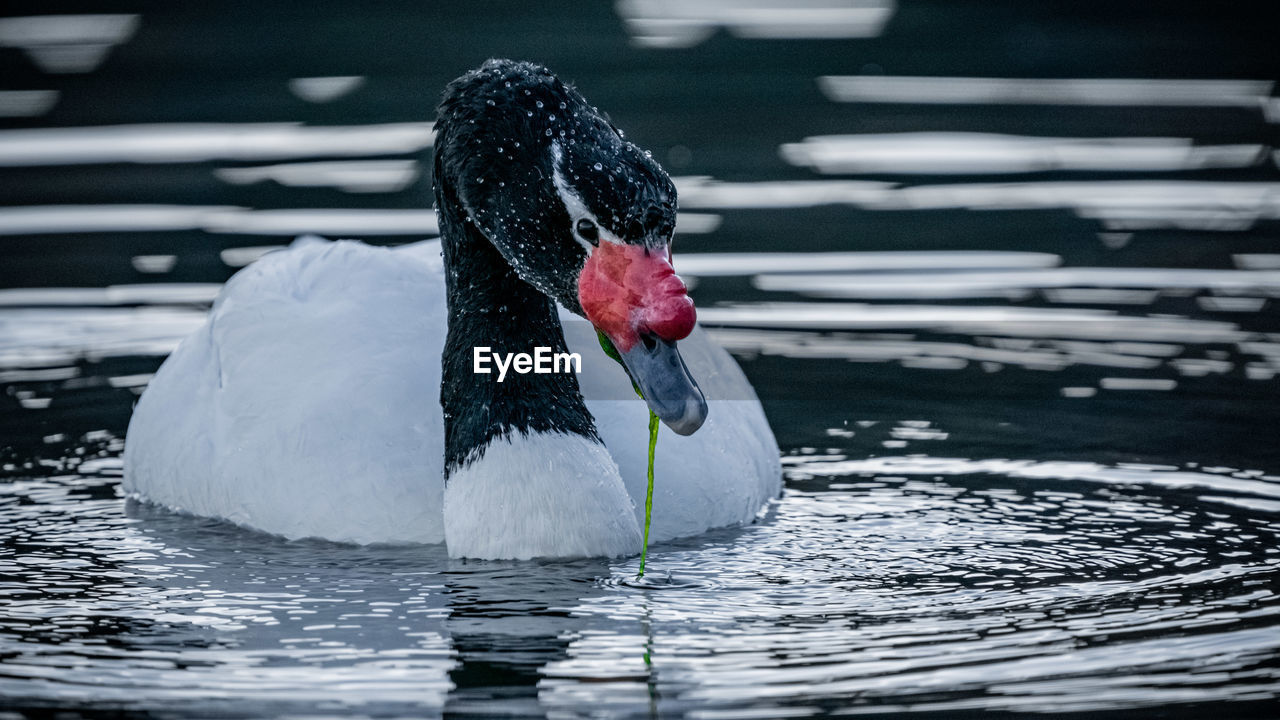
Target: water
[(1020, 359)]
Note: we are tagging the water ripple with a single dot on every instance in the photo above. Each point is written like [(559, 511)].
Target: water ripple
[(916, 582)]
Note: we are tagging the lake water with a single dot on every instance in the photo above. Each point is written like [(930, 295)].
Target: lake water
[(1020, 356)]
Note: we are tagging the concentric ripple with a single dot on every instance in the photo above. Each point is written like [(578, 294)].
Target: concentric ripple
[(873, 585)]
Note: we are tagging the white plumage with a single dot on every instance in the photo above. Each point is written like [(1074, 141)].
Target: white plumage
[(309, 406)]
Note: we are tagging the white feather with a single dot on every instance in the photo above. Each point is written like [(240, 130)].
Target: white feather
[(573, 203), (539, 495)]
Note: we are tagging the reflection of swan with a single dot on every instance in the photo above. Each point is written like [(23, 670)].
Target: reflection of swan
[(310, 403)]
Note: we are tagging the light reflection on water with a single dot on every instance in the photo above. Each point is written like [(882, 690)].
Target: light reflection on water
[(986, 153), (67, 43), (197, 142), (1123, 92), (665, 24)]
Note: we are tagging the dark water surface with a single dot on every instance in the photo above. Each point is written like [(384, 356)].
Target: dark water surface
[(1021, 359)]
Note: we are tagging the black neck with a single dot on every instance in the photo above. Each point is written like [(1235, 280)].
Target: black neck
[(490, 306)]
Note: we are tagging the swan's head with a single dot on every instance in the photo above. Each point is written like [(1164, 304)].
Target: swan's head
[(579, 212)]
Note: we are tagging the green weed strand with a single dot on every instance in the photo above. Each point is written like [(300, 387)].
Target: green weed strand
[(648, 496)]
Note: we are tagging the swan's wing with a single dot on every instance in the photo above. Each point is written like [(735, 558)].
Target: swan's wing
[(317, 371)]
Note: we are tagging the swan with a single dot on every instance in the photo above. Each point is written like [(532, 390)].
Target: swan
[(333, 391)]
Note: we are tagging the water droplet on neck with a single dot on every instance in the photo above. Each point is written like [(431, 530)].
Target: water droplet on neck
[(598, 166), (538, 103)]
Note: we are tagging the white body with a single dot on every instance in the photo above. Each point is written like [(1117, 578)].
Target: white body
[(309, 406)]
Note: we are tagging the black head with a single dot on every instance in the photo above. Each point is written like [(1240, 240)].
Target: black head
[(533, 166), (577, 211)]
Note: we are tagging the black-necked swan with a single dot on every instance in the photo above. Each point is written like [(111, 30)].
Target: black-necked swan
[(332, 392)]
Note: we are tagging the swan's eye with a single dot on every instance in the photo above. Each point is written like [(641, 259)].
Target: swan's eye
[(588, 231)]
